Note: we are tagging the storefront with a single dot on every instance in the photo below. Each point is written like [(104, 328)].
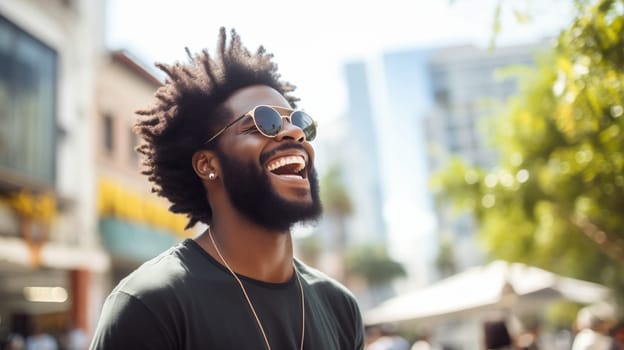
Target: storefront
[(134, 226), (44, 283), (50, 259)]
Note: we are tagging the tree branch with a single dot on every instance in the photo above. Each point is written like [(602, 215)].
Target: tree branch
[(613, 248)]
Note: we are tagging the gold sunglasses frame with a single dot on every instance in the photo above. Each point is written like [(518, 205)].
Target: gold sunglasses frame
[(251, 114)]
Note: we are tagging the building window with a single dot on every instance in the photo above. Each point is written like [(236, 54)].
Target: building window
[(453, 142), (109, 127), (134, 142), (28, 94), (442, 97)]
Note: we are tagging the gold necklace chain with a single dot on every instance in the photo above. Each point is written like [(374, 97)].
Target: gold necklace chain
[(253, 309)]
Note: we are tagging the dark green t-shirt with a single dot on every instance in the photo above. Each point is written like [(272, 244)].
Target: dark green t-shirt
[(184, 299)]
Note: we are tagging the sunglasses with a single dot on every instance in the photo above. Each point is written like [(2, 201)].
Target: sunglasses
[(268, 121)]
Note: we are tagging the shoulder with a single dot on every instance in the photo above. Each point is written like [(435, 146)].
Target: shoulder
[(164, 272), (322, 283), (162, 280), (153, 294), (330, 297), (330, 292)]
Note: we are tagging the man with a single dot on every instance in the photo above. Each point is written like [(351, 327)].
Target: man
[(387, 338), (225, 146), (39, 339), (496, 335)]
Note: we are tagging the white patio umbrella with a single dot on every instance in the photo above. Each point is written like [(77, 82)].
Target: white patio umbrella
[(497, 286)]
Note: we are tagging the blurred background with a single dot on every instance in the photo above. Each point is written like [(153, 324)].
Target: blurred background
[(470, 155)]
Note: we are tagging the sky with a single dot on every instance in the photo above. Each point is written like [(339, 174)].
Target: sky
[(312, 40)]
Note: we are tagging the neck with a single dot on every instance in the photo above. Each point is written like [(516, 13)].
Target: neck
[(250, 250)]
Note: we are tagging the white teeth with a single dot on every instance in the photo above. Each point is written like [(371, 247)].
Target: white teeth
[(280, 162)]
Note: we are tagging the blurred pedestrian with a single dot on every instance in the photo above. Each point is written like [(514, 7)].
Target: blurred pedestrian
[(15, 341), (424, 343), (617, 333), (75, 338), (528, 337), (372, 333), (40, 340), (593, 323), (225, 144), (389, 339), (496, 335), (421, 345)]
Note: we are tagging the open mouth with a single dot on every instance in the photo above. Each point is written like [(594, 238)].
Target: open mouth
[(288, 166)]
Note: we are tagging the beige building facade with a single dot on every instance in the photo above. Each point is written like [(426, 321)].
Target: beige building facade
[(134, 224), (49, 245), (76, 215)]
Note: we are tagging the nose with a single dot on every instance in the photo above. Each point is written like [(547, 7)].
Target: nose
[(290, 132)]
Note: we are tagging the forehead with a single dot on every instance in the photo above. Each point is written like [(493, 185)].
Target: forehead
[(245, 99)]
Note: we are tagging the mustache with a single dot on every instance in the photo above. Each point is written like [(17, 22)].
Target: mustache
[(283, 147)]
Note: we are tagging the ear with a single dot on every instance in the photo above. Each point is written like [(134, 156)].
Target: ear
[(206, 165)]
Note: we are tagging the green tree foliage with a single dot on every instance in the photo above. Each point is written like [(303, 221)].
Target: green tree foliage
[(373, 263), (336, 203), (334, 196), (337, 207), (522, 13), (445, 260), (562, 314), (370, 262), (556, 198), (310, 248)]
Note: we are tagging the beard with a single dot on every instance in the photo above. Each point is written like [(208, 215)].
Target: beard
[(251, 192)]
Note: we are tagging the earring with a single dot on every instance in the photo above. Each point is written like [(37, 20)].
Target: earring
[(212, 176)]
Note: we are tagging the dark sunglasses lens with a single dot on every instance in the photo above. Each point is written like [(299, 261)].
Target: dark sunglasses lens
[(268, 120), (306, 123)]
